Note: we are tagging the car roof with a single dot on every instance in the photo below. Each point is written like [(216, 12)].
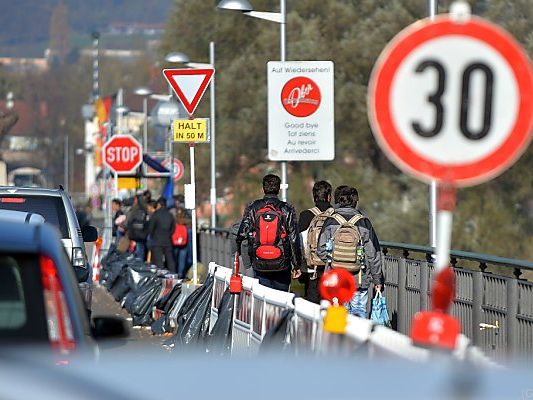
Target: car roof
[(21, 237), (16, 190)]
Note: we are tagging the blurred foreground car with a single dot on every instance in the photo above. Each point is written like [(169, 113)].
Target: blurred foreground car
[(39, 299), (56, 208)]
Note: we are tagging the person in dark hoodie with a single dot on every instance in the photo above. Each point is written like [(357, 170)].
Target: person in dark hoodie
[(346, 200), (160, 229), (310, 275), (135, 225)]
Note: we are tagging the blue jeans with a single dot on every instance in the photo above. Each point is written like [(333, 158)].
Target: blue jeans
[(140, 250), (357, 305), (180, 257)]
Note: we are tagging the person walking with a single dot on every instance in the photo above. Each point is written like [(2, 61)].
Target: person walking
[(160, 230), (348, 240), (180, 241), (136, 228), (311, 271), (270, 227), (118, 220)]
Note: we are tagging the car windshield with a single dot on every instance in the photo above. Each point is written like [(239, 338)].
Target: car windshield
[(22, 312), (49, 207)]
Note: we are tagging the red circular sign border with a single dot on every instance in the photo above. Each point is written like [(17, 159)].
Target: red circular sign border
[(385, 130), (177, 178), (317, 88), (118, 137)]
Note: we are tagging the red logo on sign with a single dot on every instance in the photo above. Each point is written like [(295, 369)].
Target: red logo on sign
[(301, 96)]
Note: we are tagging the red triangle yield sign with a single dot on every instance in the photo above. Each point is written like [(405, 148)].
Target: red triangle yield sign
[(189, 85)]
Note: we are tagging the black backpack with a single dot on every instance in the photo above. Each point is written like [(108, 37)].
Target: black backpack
[(269, 240)]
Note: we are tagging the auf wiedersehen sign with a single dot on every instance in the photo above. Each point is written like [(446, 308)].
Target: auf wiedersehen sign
[(301, 120), (191, 130)]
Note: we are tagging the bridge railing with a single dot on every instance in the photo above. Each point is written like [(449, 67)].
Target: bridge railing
[(495, 308)]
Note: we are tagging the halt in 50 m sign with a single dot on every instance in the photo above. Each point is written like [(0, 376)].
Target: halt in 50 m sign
[(452, 101)]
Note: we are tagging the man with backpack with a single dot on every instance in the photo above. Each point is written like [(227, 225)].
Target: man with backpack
[(310, 225), (270, 227), (348, 241)]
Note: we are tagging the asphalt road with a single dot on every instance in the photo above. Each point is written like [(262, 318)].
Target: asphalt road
[(105, 304)]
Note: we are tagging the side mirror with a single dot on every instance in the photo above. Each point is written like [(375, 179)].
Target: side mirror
[(109, 328), (89, 233)]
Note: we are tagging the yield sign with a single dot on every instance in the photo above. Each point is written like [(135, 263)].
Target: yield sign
[(189, 85)]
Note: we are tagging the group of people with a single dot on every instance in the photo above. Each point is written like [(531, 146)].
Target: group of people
[(160, 234), (334, 233)]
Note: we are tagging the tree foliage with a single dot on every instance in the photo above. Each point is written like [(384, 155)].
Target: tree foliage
[(493, 218)]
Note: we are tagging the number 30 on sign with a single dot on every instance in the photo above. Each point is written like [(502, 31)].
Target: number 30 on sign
[(452, 101)]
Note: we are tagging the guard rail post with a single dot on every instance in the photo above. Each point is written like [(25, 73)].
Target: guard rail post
[(477, 303), (512, 311), (402, 295)]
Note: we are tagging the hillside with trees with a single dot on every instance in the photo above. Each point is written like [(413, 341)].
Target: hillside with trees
[(494, 218)]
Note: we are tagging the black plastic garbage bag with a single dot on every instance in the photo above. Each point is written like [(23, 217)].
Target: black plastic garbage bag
[(145, 283), (165, 304), (193, 318), (276, 338), (120, 286), (143, 304), (219, 341)]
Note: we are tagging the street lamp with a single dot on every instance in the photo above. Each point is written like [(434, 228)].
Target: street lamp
[(121, 112), (281, 18), (144, 92), (177, 58)]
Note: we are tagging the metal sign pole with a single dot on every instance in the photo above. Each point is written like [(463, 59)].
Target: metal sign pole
[(432, 7), (193, 218)]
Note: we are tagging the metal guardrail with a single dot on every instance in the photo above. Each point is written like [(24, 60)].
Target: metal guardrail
[(496, 311)]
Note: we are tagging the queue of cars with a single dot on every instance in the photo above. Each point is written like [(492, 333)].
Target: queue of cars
[(45, 275)]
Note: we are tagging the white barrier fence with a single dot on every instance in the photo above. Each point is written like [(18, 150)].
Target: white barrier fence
[(258, 308)]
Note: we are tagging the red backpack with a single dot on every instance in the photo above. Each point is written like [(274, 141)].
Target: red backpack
[(179, 237), (269, 239)]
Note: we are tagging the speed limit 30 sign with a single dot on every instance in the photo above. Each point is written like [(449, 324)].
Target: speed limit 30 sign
[(452, 101)]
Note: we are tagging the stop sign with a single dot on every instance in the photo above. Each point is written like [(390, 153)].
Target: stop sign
[(122, 154)]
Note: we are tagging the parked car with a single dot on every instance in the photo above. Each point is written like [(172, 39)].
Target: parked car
[(39, 299), (56, 208)]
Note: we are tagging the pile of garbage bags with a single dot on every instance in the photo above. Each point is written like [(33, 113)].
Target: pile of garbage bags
[(156, 299)]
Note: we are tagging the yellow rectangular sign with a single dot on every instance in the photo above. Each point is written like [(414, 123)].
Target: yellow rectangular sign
[(190, 130), (128, 183)]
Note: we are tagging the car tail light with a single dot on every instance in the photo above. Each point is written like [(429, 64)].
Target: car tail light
[(77, 257), (60, 329)]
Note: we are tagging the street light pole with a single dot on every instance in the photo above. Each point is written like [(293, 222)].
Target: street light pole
[(283, 53), (246, 8), (213, 194)]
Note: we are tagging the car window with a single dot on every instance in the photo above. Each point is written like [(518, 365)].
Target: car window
[(51, 208), (22, 312)]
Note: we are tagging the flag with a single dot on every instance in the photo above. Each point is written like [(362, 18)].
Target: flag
[(103, 108)]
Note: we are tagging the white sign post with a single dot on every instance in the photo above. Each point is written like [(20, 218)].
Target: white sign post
[(301, 121)]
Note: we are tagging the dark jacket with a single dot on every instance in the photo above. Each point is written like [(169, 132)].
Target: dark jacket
[(136, 224), (161, 227), (115, 226), (373, 255), (289, 222)]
